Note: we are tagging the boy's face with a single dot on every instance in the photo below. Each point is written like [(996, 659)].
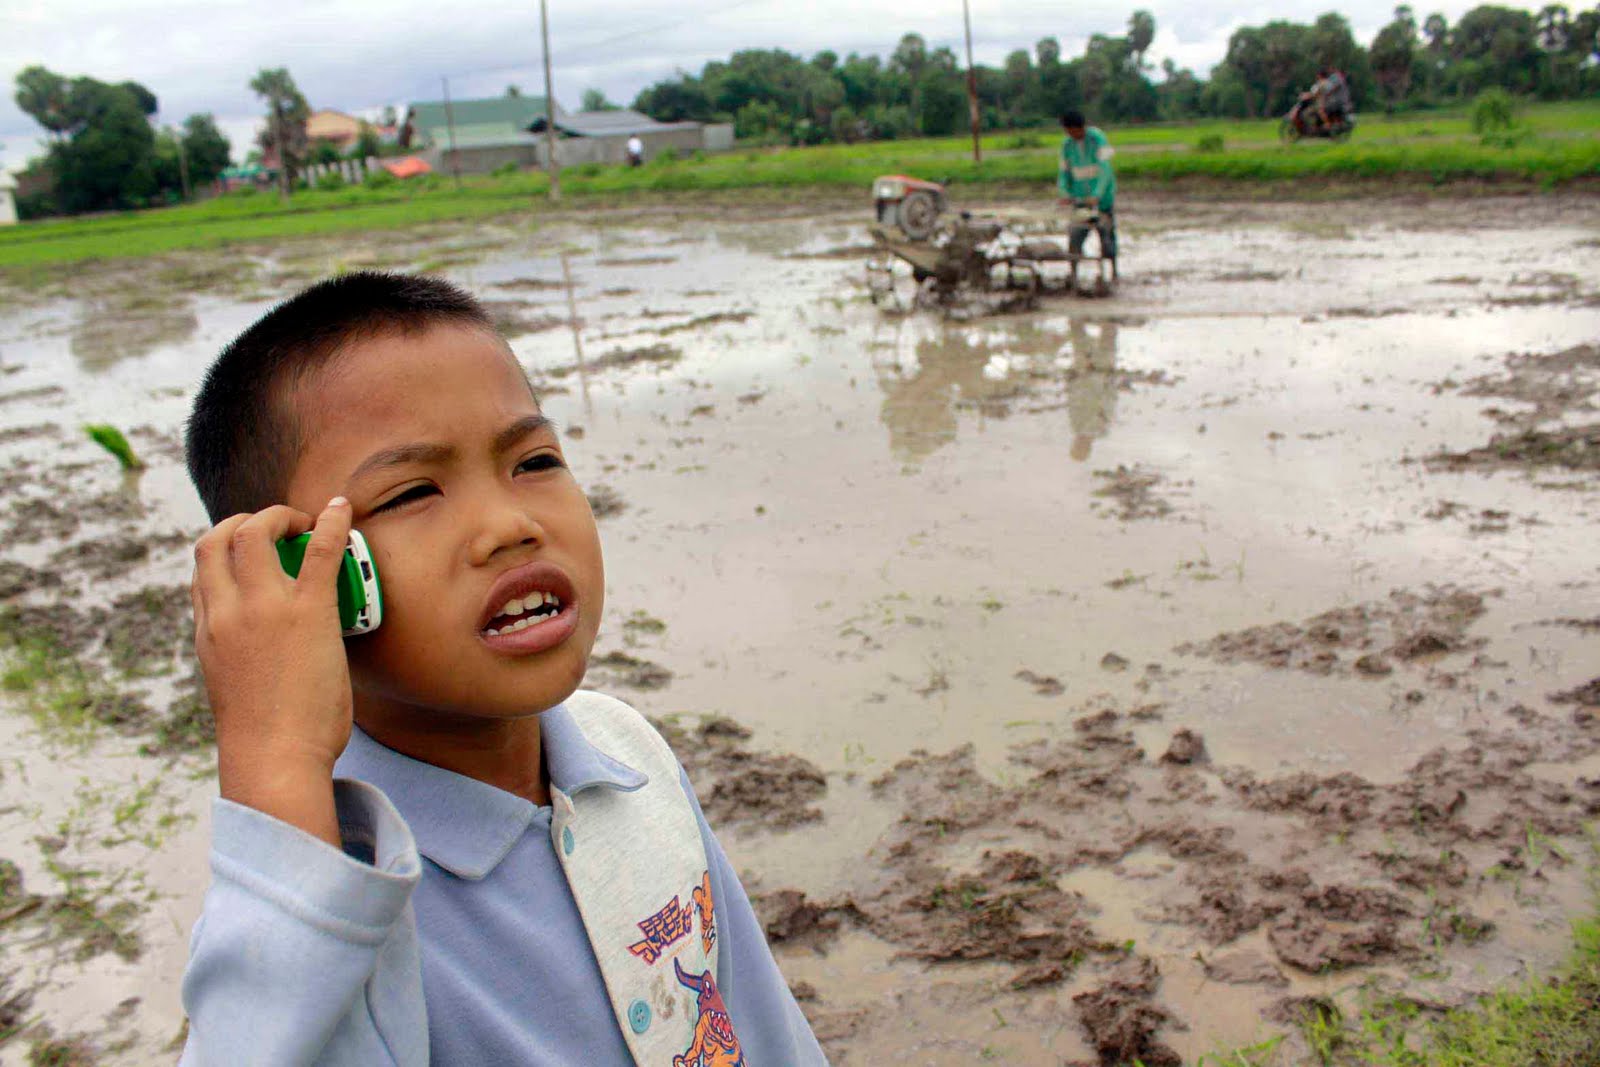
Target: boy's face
[(462, 492)]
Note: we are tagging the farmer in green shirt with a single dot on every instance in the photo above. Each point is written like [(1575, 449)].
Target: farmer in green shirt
[(1087, 181)]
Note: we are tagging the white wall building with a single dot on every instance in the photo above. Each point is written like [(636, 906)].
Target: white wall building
[(8, 200)]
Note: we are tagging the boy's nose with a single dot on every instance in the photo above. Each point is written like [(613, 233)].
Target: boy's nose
[(504, 526)]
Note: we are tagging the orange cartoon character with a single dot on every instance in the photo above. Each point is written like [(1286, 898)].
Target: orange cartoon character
[(715, 1044), (708, 918)]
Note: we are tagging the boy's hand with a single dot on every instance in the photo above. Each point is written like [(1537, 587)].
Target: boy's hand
[(274, 662)]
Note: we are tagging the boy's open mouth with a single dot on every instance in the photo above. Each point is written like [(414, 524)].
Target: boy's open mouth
[(528, 609), (520, 614)]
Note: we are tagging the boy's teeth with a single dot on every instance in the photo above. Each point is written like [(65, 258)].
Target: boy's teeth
[(533, 602)]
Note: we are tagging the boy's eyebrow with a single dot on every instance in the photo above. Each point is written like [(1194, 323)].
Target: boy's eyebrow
[(400, 455), (423, 452), (523, 427)]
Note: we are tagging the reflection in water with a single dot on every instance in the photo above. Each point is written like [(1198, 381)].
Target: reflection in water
[(958, 366), (577, 333), (953, 366), (126, 327), (1091, 384)]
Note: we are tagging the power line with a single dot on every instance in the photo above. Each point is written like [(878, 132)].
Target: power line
[(583, 48)]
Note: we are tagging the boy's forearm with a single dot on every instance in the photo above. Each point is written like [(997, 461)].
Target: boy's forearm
[(291, 788)]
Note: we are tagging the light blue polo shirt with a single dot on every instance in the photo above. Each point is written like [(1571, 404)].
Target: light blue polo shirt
[(445, 933)]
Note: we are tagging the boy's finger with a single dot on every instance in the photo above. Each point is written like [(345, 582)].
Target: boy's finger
[(326, 548), (197, 602), (213, 559), (255, 544)]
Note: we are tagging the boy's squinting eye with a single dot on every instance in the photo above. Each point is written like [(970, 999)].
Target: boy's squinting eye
[(414, 493), (540, 461)]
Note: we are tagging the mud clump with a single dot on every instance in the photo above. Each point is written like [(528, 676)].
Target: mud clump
[(789, 918), (13, 434), (1586, 695), (1043, 685), (1575, 448), (1338, 926), (510, 318), (538, 285), (1121, 1021), (39, 519), (19, 578), (739, 786), (606, 502), (700, 322), (1133, 493), (1407, 626), (631, 672), (1244, 968), (775, 790), (111, 557), (982, 916), (635, 261), (660, 354), (1546, 388), (1551, 386), (145, 630), (1187, 747)]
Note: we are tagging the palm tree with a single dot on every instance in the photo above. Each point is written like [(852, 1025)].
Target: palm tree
[(287, 112)]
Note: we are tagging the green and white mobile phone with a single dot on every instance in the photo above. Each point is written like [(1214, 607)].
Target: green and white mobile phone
[(360, 597)]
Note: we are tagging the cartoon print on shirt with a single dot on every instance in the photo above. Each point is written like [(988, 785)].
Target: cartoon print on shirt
[(708, 912), (675, 921), (715, 1044), (663, 929)]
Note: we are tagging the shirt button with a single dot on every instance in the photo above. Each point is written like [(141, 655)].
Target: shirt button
[(567, 845), (639, 1016)]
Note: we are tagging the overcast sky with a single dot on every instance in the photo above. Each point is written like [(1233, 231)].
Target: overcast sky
[(199, 55)]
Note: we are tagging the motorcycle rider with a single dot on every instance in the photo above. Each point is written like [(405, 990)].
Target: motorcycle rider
[(1333, 96), (1087, 180)]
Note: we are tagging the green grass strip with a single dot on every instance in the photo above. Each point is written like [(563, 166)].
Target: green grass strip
[(1558, 149)]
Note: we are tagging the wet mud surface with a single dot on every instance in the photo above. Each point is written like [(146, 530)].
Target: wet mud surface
[(1123, 680)]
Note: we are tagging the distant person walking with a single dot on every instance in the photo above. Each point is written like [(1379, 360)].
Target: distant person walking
[(1087, 181), (635, 151)]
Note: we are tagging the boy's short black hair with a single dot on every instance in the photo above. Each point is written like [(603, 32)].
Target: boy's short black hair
[(242, 441), (1072, 119)]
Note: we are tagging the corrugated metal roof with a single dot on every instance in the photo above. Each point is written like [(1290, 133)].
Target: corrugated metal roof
[(508, 112), (621, 122), (483, 135)]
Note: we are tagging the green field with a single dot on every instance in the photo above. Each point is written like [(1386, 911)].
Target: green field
[(1560, 144)]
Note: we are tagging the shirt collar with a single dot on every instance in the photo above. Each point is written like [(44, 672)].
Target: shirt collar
[(467, 826)]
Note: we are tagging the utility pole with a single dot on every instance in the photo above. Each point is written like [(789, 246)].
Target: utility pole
[(549, 106), (972, 84), (450, 125)]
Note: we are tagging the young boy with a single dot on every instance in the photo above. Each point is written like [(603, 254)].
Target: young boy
[(488, 867)]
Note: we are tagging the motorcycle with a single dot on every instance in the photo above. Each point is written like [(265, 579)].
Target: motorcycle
[(1305, 120)]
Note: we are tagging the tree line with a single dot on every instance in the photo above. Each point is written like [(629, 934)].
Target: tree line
[(777, 96), (104, 153)]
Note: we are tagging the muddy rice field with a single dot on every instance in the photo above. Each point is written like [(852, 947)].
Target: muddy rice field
[(1129, 678)]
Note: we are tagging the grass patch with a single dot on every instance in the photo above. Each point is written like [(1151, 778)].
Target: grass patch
[(1553, 1022), (63, 696), (1438, 147)]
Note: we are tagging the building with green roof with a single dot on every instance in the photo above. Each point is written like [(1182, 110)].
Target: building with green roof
[(486, 134)]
